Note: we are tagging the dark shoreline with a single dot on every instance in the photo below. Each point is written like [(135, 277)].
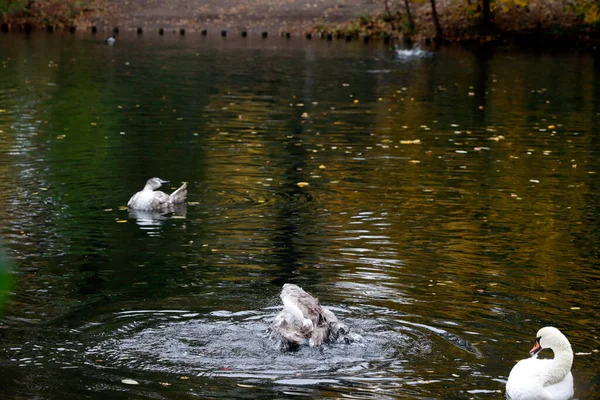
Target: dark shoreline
[(525, 40), (334, 20)]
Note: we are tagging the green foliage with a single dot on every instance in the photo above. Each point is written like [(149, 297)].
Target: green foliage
[(586, 11), (11, 7), (5, 279), (44, 11), (365, 20)]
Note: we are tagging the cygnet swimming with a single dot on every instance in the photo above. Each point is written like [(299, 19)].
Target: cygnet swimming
[(149, 198), (304, 320)]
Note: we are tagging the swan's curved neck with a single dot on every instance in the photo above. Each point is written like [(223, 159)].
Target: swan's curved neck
[(560, 365)]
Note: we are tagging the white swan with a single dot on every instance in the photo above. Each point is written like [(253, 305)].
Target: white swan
[(551, 379)]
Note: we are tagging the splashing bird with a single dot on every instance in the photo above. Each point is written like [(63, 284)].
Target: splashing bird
[(304, 320)]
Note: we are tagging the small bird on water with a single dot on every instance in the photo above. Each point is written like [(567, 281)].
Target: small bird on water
[(304, 320), (149, 198)]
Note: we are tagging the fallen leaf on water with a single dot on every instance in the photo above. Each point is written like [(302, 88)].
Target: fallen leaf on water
[(245, 386), (184, 378), (415, 141), (166, 384), (121, 221), (129, 382), (122, 208), (575, 308), (302, 184), (108, 209)]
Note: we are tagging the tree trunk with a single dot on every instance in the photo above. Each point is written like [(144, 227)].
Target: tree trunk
[(436, 21), (411, 23), (486, 22), (389, 14)]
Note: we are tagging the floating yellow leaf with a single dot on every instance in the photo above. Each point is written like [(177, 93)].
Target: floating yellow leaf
[(575, 308), (122, 208), (355, 101), (93, 123), (304, 115), (121, 221), (416, 141), (551, 126), (322, 166), (302, 184)]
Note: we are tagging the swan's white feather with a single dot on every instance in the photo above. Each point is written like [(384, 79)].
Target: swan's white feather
[(544, 379)]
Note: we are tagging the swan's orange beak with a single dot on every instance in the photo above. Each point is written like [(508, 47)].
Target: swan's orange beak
[(536, 348)]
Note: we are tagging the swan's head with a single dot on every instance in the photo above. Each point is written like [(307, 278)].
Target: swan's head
[(154, 183), (549, 338)]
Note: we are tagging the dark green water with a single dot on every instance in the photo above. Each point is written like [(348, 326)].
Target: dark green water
[(452, 209)]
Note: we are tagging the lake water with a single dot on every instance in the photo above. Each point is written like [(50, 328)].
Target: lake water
[(444, 206)]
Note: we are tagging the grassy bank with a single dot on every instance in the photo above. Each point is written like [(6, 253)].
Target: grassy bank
[(537, 22), (32, 14), (543, 22)]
